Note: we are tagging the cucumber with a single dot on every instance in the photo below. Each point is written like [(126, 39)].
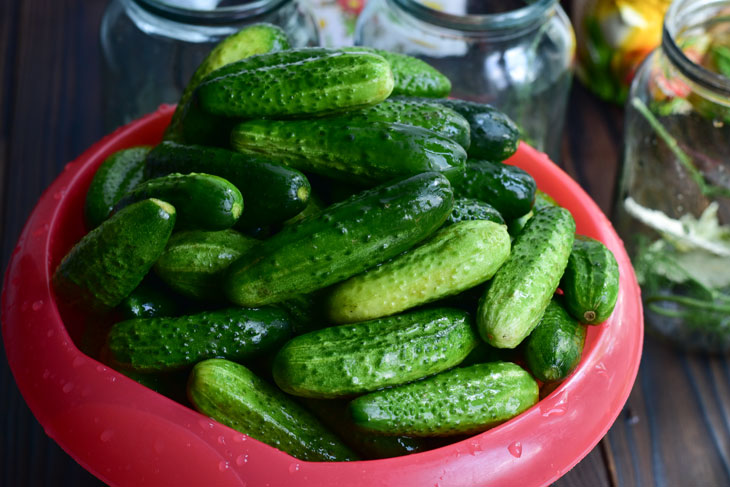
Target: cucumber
[(509, 189), (164, 344), (314, 206), (231, 394), (352, 359), (305, 313), (109, 262), (590, 282), (202, 200), (148, 300), (272, 192), (341, 241), (116, 176), (329, 83), (522, 288), (463, 400), (456, 258), (541, 201), (361, 151), (194, 262), (553, 349), (467, 209)]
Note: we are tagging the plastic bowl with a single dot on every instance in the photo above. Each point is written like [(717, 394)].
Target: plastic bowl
[(126, 434)]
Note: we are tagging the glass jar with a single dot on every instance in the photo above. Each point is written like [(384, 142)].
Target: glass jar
[(152, 47), (512, 54), (673, 202)]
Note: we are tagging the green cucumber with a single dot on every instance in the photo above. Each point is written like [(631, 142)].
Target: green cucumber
[(352, 359), (149, 300), (330, 83), (116, 176), (590, 283), (363, 151), (195, 261), (485, 353), (314, 206), (341, 241), (522, 288), (456, 258), (463, 400), (163, 344), (467, 209), (305, 311), (109, 262), (509, 189), (272, 192), (541, 201), (231, 394), (202, 200), (553, 349)]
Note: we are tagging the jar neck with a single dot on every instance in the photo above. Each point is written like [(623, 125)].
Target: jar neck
[(232, 13)]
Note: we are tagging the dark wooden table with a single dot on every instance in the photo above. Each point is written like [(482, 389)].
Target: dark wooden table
[(673, 431)]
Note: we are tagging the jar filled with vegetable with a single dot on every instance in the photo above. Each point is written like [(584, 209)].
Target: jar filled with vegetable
[(673, 205)]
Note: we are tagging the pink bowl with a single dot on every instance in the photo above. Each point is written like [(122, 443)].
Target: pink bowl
[(126, 434)]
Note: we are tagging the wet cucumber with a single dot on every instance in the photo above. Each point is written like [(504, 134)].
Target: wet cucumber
[(361, 151), (170, 343), (553, 349), (116, 176), (109, 262), (524, 285), (231, 394), (541, 201), (590, 282), (341, 241), (351, 359), (456, 258), (468, 209), (463, 400), (148, 300)]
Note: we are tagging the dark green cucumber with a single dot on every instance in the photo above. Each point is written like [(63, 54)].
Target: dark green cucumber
[(553, 349), (363, 151), (160, 344), (463, 400), (314, 206), (272, 192), (352, 359), (456, 258), (149, 300), (194, 262), (467, 209), (116, 176), (590, 282), (541, 201), (341, 241), (305, 311), (485, 353), (231, 394), (509, 189), (524, 285), (109, 262)]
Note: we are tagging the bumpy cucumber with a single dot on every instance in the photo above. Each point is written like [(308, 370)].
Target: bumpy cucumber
[(341, 241), (467, 209), (148, 300), (456, 258), (231, 394), (590, 282), (541, 201), (359, 150), (553, 349), (351, 359), (272, 192), (330, 83), (110, 261), (509, 189), (201, 200), (463, 400), (524, 285), (116, 176), (160, 344), (305, 311)]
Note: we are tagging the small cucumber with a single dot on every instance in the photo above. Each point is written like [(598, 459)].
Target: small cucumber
[(149, 300), (162, 344), (553, 349), (522, 288), (467, 209), (463, 400), (590, 282), (109, 262), (272, 192), (485, 353), (116, 176), (456, 258), (541, 201), (231, 394), (351, 359), (305, 313), (202, 200), (509, 189), (341, 241), (360, 150)]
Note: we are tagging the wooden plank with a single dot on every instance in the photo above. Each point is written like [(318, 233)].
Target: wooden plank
[(590, 471)]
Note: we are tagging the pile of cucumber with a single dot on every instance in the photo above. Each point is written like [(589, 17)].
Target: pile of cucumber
[(334, 257)]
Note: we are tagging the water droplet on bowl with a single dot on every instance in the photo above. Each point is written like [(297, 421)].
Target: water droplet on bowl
[(515, 449), (293, 468), (106, 435), (37, 305), (559, 409), (241, 459), (223, 466), (68, 387)]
